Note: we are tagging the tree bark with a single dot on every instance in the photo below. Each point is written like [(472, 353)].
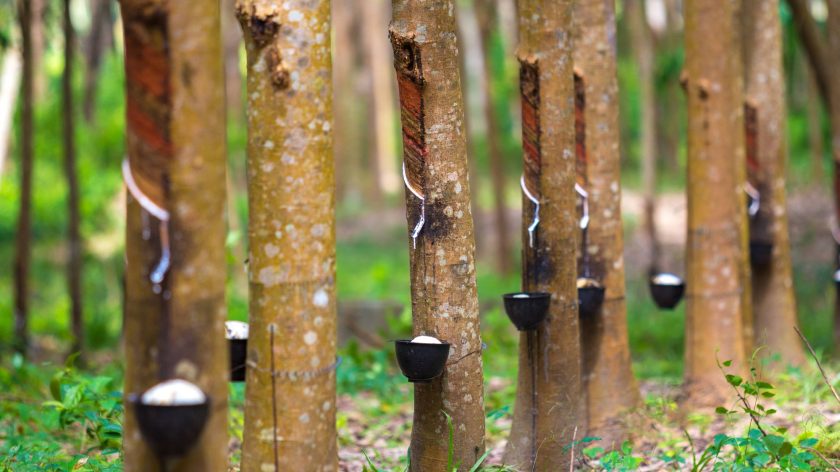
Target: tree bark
[(490, 40), (98, 40), (381, 109), (24, 230), (774, 302), (291, 385), (815, 130), (716, 257), (821, 54), (550, 403), (607, 367), (232, 39), (37, 32), (349, 134), (643, 48), (74, 240), (176, 155), (444, 299), (9, 91)]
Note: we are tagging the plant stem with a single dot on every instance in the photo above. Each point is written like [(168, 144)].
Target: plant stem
[(822, 371)]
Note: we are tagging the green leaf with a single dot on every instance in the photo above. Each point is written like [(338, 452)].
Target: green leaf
[(593, 451), (762, 459), (721, 410), (785, 449), (734, 380), (774, 443), (768, 394), (727, 363), (764, 385), (70, 362), (55, 386), (809, 442)]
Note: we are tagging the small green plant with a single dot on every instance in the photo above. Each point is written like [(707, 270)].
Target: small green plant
[(764, 447), (92, 404), (621, 459)]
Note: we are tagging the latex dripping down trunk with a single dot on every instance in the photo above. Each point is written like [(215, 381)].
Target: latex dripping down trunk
[(150, 197)]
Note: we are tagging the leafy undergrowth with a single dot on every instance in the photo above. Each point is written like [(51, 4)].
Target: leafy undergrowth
[(57, 417)]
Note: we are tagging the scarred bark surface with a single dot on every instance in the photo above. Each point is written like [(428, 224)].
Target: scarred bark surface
[(176, 143), (550, 406), (604, 340), (716, 256), (444, 300), (774, 303), (290, 394)]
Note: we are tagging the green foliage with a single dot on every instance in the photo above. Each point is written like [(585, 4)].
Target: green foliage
[(621, 459), (59, 419)]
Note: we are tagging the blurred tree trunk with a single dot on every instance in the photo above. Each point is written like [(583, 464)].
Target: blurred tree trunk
[(822, 54), (98, 41), (670, 97), (74, 240), (444, 299), (773, 297), (604, 340), (24, 231), (38, 40), (232, 39), (815, 130), (716, 256), (468, 48), (291, 390), (349, 130), (488, 25), (643, 48), (9, 91), (374, 18), (176, 151), (550, 402)]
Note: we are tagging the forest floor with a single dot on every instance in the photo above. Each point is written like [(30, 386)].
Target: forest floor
[(54, 418)]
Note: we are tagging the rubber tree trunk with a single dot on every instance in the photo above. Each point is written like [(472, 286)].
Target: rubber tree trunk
[(716, 256), (607, 366), (491, 40), (827, 74), (381, 111), (815, 129), (349, 135), (291, 390), (74, 240), (24, 230), (232, 40), (38, 42), (444, 300), (643, 49), (550, 404), (97, 42), (176, 153), (774, 303)]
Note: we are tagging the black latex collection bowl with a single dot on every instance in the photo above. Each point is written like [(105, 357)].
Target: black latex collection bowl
[(527, 310), (761, 253), (170, 430), (238, 353), (667, 290), (421, 362), (836, 278), (590, 296)]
